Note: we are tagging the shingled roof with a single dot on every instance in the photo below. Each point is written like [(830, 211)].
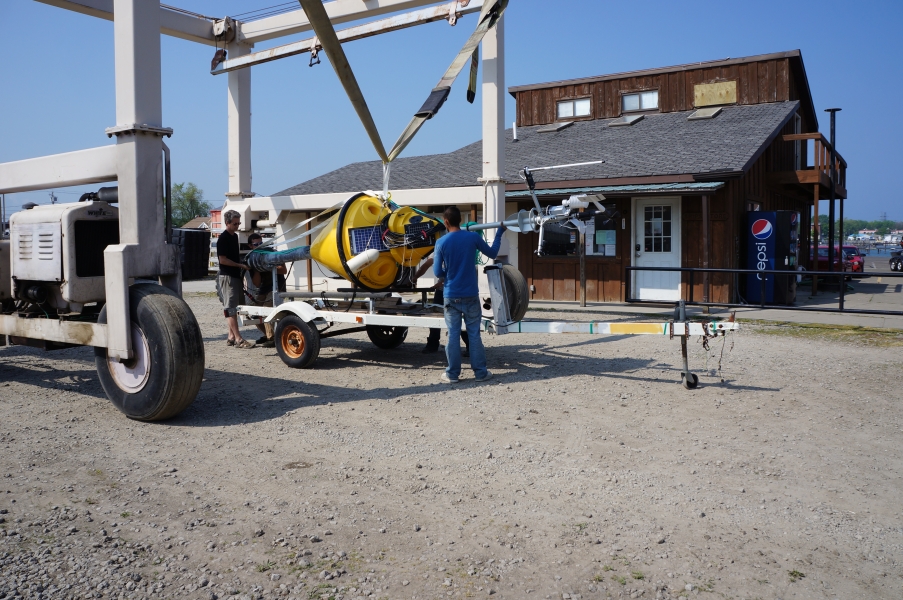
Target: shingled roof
[(661, 144)]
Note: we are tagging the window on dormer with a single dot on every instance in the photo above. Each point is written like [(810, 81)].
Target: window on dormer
[(580, 107), (639, 101)]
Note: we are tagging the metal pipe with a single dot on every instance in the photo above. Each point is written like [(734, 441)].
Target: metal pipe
[(276, 299), (705, 247), (840, 226), (682, 317), (167, 190)]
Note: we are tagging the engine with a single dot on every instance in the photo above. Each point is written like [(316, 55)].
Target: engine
[(56, 254)]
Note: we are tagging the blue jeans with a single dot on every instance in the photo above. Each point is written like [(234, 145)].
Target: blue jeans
[(469, 310)]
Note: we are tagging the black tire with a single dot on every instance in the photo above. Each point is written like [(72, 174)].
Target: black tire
[(518, 292), (297, 342), (690, 381), (173, 351), (386, 338)]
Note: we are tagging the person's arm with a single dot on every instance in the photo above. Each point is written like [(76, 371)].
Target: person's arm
[(439, 265), (231, 263), (492, 251), (424, 267)]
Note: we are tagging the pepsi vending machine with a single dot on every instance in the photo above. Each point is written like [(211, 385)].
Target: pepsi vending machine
[(772, 245)]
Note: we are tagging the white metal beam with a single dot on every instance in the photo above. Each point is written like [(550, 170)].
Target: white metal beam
[(176, 24), (82, 167), (339, 11), (403, 21), (493, 89), (52, 330), (239, 119)]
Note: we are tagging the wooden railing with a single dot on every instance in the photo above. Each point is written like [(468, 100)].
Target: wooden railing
[(821, 160)]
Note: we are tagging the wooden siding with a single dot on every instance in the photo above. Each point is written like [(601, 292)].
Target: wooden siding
[(558, 278), (757, 83)]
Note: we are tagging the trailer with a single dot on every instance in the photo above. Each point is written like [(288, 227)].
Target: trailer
[(301, 323)]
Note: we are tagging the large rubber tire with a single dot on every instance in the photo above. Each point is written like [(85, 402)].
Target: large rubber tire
[(387, 338), (164, 376), (518, 292), (297, 342)]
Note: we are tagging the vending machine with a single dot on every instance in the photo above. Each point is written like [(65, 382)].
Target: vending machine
[(773, 239)]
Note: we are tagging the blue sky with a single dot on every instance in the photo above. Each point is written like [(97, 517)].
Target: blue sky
[(56, 83)]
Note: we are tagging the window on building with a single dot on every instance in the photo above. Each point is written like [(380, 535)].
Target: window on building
[(601, 235), (581, 107), (657, 229), (640, 101)]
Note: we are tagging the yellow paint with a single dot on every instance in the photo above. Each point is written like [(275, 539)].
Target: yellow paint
[(715, 94), (634, 328)]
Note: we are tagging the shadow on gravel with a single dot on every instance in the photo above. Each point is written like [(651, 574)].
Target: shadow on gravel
[(32, 366), (229, 398)]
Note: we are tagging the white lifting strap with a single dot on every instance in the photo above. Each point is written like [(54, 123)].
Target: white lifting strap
[(316, 14)]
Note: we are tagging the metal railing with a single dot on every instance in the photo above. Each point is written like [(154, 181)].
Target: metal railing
[(690, 281)]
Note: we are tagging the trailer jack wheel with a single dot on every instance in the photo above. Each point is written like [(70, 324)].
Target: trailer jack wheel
[(297, 342), (165, 372), (689, 381)]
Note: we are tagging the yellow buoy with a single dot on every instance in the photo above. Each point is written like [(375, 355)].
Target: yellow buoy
[(361, 225)]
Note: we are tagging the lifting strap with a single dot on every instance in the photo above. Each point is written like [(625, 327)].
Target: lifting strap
[(316, 14)]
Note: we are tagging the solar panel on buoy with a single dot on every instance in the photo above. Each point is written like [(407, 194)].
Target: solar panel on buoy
[(366, 238)]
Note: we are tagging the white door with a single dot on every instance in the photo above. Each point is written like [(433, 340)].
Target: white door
[(657, 244)]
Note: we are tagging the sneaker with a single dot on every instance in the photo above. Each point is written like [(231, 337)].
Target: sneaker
[(428, 349), (485, 377), (446, 379)]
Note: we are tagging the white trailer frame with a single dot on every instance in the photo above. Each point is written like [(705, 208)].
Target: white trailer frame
[(372, 312)]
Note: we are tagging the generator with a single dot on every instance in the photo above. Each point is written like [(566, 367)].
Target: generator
[(57, 259)]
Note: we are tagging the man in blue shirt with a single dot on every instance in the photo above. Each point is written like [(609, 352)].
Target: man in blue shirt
[(454, 264)]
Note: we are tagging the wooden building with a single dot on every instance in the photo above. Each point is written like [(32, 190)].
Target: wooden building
[(785, 168), (686, 151)]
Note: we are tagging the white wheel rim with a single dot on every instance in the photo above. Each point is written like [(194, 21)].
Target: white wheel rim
[(132, 376)]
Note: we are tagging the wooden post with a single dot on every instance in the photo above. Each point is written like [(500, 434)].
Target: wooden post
[(816, 230), (473, 213), (705, 251), (582, 254), (310, 266)]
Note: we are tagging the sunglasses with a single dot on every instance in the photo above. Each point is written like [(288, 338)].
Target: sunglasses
[(255, 244)]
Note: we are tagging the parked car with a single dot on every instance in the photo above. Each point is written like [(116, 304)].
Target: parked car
[(841, 261), (896, 261), (857, 260)]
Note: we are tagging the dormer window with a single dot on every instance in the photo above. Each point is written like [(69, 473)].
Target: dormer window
[(639, 101), (580, 107)]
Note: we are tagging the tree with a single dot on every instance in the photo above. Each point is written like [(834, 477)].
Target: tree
[(188, 203)]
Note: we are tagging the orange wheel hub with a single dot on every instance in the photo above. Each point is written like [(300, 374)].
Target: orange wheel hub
[(292, 341)]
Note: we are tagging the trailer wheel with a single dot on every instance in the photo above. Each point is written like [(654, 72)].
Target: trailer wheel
[(165, 373), (690, 381), (387, 337), (518, 292), (297, 342)]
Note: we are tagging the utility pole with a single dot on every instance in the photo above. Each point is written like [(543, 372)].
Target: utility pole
[(843, 284), (52, 198)]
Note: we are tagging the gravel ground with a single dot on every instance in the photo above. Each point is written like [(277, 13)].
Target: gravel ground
[(582, 470)]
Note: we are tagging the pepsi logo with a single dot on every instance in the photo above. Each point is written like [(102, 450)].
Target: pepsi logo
[(762, 229)]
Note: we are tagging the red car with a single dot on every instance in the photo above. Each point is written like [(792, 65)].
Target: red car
[(839, 259), (857, 260)]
